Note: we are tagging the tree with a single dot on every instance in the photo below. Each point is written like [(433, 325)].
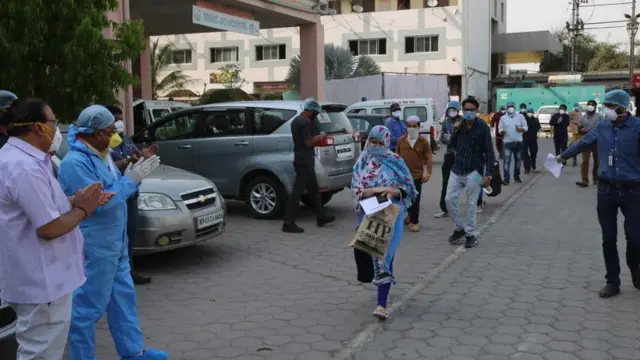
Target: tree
[(229, 76), (173, 80), (339, 63), (57, 51)]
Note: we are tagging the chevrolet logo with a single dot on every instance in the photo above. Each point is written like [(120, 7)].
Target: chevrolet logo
[(202, 199)]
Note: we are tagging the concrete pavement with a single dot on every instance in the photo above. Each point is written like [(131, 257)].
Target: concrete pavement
[(256, 293)]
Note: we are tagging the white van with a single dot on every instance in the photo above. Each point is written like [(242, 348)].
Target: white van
[(147, 111), (423, 107)]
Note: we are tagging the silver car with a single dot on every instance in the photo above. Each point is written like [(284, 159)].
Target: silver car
[(176, 209), (246, 148), (544, 115)]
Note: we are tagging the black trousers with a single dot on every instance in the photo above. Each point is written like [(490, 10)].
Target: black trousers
[(627, 200), (132, 225), (414, 209), (449, 160), (530, 153), (560, 144), (305, 179)]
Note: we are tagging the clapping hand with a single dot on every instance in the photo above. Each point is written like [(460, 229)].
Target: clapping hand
[(88, 198), (150, 151), (106, 196)]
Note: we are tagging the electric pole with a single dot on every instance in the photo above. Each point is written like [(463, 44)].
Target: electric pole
[(632, 30), (575, 28)]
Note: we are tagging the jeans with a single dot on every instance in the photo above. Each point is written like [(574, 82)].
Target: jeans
[(529, 154), (512, 149), (449, 160), (305, 179), (472, 188), (414, 210), (610, 199)]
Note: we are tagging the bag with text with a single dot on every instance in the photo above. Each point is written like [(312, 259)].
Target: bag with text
[(375, 232)]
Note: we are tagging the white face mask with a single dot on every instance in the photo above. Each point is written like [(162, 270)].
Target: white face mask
[(610, 114), (511, 110), (503, 111), (119, 126), (523, 110), (396, 114), (452, 113), (591, 108), (413, 133), (57, 141), (562, 112), (530, 114)]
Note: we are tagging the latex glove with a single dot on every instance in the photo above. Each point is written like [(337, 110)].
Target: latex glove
[(142, 168)]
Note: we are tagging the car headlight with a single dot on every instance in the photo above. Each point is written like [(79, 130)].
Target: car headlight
[(151, 201)]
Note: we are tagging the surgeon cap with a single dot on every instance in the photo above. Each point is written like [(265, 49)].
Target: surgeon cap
[(6, 99), (95, 117), (454, 105), (530, 110), (413, 119), (502, 107), (617, 97), (312, 105), (511, 104)]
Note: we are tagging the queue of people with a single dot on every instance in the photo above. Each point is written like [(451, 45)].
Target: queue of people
[(75, 225)]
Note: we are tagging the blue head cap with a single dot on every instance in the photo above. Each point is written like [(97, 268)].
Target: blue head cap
[(530, 109), (454, 105), (95, 117), (511, 104), (617, 97), (312, 105), (502, 107), (6, 99), (577, 105)]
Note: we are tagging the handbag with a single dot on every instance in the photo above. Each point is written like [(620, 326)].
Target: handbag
[(375, 232)]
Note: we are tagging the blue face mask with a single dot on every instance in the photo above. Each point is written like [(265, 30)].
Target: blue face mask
[(377, 150), (469, 115)]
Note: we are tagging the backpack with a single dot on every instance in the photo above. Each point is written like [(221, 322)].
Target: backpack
[(496, 181)]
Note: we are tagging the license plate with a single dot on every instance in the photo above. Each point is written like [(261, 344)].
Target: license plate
[(210, 219), (345, 152)]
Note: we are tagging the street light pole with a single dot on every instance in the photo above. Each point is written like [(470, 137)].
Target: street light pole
[(632, 30)]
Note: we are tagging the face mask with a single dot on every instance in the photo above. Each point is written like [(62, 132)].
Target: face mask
[(530, 114), (396, 114), (119, 126), (377, 150), (469, 115), (562, 112), (413, 133), (610, 114), (503, 111), (511, 110), (114, 141), (57, 141), (452, 113), (591, 108), (523, 110)]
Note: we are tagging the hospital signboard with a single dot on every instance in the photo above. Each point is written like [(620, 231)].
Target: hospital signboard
[(218, 20)]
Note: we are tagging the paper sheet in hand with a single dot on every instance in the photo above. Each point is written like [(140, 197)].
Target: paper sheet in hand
[(551, 164), (374, 204)]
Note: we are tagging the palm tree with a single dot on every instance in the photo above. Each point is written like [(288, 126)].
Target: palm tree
[(174, 80), (339, 63)]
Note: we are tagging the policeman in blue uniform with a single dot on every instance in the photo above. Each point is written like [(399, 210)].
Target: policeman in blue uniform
[(619, 188)]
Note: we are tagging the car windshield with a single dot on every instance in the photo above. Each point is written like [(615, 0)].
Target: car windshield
[(331, 121), (548, 110)]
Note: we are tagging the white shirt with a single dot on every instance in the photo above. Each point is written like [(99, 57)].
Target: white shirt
[(508, 124)]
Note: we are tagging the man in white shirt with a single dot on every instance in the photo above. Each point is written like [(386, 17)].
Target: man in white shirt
[(512, 126)]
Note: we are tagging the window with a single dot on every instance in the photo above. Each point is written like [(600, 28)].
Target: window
[(421, 44), (381, 111), (368, 47), (358, 111), (224, 54), (271, 52), (222, 123), (420, 111), (360, 125), (404, 4), (266, 121), (495, 8), (158, 113), (178, 128), (502, 11), (333, 121), (139, 121), (178, 57), (336, 5)]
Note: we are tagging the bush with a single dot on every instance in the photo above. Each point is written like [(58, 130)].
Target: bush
[(224, 95), (272, 96)]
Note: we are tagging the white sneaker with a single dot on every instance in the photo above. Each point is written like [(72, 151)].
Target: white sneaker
[(480, 209), (441, 214)]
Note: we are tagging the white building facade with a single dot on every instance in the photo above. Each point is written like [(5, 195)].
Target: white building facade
[(454, 39)]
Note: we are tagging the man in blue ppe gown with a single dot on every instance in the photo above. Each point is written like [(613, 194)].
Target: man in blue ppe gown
[(109, 286)]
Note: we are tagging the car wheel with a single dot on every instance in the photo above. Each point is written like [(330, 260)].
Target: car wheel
[(324, 198), (266, 197)]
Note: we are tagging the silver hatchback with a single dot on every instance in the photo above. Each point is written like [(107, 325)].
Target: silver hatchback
[(246, 148)]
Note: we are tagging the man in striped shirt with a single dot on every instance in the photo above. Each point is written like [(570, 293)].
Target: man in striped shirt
[(471, 171)]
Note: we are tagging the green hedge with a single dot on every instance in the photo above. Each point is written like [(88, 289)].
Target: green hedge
[(224, 95)]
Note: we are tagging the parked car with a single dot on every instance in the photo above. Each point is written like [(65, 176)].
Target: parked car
[(246, 148), (424, 108), (176, 209), (364, 123), (147, 111), (544, 114)]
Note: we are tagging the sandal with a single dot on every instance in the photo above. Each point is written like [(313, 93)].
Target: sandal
[(381, 313)]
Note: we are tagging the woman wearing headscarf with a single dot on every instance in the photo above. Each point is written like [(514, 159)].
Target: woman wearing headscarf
[(380, 171)]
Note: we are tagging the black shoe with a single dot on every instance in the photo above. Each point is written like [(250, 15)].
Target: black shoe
[(140, 280), (518, 180), (609, 290), (575, 163), (526, 172), (635, 277), (581, 184), (470, 241), (324, 220), (292, 228), (456, 237), (505, 182)]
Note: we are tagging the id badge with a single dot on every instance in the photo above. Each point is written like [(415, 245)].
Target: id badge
[(611, 160)]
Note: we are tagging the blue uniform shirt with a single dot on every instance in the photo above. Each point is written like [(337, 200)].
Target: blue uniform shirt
[(126, 149), (397, 128), (622, 142)]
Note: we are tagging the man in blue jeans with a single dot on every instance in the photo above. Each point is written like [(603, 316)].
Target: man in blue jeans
[(512, 126), (619, 184)]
